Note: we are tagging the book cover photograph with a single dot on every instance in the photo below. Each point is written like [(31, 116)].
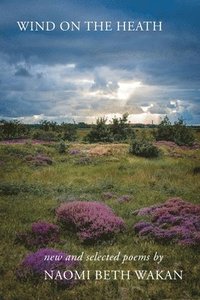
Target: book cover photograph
[(99, 150)]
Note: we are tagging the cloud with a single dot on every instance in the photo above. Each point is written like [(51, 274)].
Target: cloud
[(86, 74), (22, 72)]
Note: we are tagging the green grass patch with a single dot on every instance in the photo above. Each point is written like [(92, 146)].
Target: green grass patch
[(29, 194)]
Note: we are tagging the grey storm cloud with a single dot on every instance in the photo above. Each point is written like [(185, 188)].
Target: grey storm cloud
[(90, 73), (22, 72)]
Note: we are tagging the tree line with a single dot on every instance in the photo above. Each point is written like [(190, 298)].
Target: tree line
[(117, 130)]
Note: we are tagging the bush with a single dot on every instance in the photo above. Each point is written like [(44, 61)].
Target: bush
[(41, 234), (196, 170), (62, 147), (34, 265), (165, 131), (91, 220), (99, 133), (69, 132), (143, 148), (182, 134), (13, 129), (43, 135), (9, 188), (175, 220), (119, 130), (178, 133)]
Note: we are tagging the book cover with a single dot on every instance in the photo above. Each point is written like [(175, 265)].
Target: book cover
[(99, 149)]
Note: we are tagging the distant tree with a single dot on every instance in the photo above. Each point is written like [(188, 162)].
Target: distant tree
[(83, 125), (48, 125), (13, 129), (165, 130), (178, 133), (69, 131), (182, 134), (99, 132), (120, 128)]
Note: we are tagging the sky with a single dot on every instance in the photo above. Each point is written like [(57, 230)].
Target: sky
[(67, 76)]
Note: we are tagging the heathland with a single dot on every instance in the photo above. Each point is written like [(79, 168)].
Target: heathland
[(37, 177)]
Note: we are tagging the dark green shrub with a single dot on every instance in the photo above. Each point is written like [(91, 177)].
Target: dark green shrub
[(143, 148), (178, 133), (100, 132), (62, 147), (165, 130), (48, 125), (196, 170), (40, 134), (182, 134), (119, 130), (69, 132), (13, 129)]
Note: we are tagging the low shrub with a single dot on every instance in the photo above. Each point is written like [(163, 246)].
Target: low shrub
[(144, 149), (196, 170), (33, 266), (175, 220), (178, 132), (40, 234), (119, 130), (43, 135), (62, 147), (9, 188), (92, 221)]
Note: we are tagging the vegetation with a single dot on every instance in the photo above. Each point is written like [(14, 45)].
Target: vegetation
[(37, 180), (178, 133), (33, 266), (62, 147), (175, 220), (99, 133), (46, 130), (143, 148), (124, 182), (119, 130), (92, 221), (12, 129)]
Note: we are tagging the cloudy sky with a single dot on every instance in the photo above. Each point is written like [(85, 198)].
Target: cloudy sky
[(80, 75)]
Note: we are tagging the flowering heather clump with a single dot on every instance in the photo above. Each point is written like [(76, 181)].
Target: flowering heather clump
[(41, 234), (91, 220), (141, 225), (175, 220), (34, 265)]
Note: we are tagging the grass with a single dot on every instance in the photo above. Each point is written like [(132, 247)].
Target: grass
[(29, 193)]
